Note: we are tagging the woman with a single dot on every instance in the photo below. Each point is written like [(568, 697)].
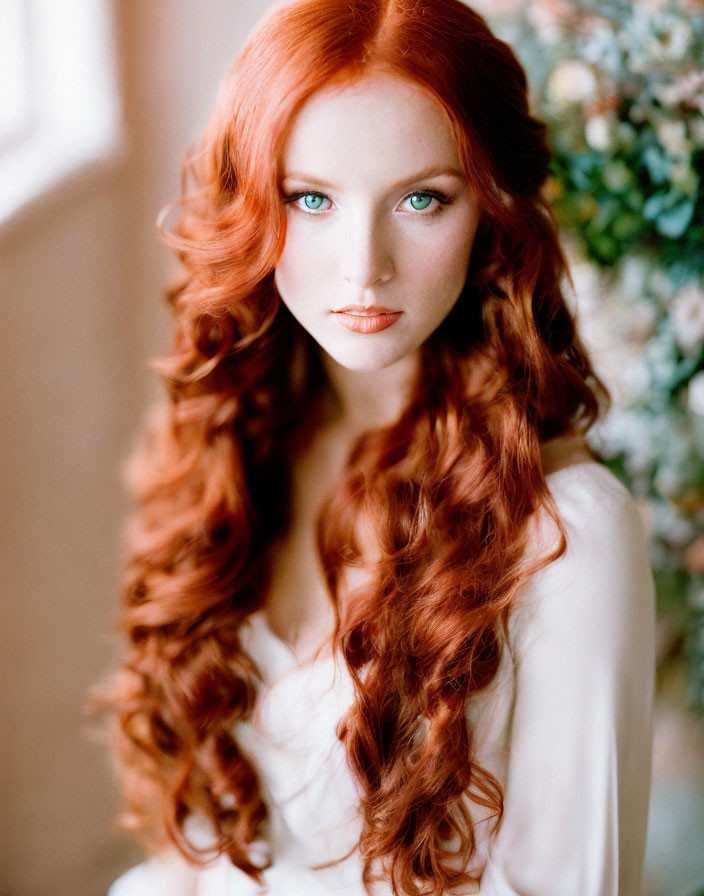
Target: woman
[(390, 626)]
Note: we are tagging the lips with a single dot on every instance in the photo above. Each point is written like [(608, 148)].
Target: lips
[(365, 309), (371, 319)]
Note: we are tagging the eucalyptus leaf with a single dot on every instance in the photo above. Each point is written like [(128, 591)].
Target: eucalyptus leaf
[(657, 164), (674, 221), (654, 205)]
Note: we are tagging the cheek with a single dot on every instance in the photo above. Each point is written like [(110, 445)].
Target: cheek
[(443, 260), (300, 268), (460, 248), (458, 260)]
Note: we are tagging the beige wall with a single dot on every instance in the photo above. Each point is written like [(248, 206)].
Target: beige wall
[(80, 279)]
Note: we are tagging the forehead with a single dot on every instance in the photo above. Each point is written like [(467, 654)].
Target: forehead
[(376, 129)]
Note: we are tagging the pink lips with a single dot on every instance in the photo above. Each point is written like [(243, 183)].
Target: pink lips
[(366, 320)]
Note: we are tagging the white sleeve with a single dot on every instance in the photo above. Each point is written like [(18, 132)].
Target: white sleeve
[(171, 875), (578, 779), (158, 876)]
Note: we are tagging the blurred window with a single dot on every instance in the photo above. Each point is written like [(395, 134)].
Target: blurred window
[(14, 70), (59, 103)]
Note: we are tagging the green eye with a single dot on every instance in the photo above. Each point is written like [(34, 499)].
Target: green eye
[(420, 201), (313, 201)]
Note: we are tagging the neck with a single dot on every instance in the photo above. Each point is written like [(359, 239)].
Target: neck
[(362, 399)]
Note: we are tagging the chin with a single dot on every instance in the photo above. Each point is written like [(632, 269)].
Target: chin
[(366, 358)]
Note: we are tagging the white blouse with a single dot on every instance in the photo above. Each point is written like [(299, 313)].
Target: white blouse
[(565, 726)]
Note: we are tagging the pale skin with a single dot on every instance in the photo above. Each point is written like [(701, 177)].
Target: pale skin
[(379, 214)]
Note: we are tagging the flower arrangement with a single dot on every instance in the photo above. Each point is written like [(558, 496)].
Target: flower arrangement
[(621, 86)]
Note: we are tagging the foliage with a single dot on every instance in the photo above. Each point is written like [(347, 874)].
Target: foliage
[(621, 86)]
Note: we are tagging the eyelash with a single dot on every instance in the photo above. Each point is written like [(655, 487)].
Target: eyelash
[(442, 198)]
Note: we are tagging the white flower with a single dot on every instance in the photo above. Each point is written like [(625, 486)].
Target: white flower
[(661, 357), (695, 394), (628, 431), (686, 89), (599, 46), (672, 527), (588, 288), (604, 438), (667, 94), (673, 137), (634, 382), (655, 38), (667, 483), (677, 39), (634, 272), (571, 81), (598, 132), (687, 315)]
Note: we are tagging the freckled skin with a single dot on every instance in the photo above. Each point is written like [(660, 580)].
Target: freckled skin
[(357, 237)]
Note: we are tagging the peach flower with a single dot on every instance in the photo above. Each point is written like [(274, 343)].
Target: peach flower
[(572, 81)]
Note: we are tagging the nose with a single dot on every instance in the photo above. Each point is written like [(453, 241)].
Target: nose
[(366, 255)]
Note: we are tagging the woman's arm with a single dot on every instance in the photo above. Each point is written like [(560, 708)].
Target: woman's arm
[(577, 787)]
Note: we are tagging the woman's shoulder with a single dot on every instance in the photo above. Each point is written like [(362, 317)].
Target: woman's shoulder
[(571, 469), (592, 504), (603, 528), (602, 581)]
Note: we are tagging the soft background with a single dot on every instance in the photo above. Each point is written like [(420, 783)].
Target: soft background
[(81, 272)]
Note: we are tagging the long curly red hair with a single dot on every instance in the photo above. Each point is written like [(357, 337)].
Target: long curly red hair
[(449, 488)]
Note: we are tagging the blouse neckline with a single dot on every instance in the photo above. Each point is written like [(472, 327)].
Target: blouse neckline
[(282, 657)]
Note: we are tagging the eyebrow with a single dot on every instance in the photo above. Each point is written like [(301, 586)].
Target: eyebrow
[(426, 174)]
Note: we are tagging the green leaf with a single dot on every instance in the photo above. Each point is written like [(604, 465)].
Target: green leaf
[(671, 586), (626, 226), (674, 221), (634, 199), (658, 165), (655, 205), (604, 246)]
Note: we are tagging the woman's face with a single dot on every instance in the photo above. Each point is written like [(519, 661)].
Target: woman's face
[(380, 220)]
